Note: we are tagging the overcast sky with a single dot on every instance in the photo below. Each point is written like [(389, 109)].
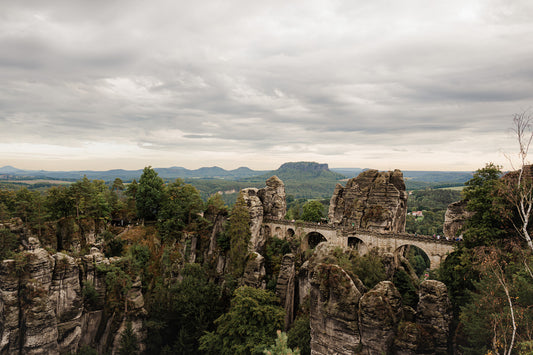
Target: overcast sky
[(414, 85)]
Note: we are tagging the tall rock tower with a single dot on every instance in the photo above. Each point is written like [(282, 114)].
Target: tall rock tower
[(373, 200)]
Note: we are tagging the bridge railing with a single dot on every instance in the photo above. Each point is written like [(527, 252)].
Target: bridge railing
[(348, 231)]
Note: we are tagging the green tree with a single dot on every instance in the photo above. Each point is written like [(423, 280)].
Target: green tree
[(299, 335), (313, 211), (181, 313), (149, 194), (486, 224), (249, 326), (129, 345), (281, 347), (182, 205), (239, 234)]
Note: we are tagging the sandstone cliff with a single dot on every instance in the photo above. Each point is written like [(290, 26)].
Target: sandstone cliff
[(268, 202), (373, 200), (43, 311), (345, 318)]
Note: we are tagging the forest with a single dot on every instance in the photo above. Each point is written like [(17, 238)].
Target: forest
[(158, 233)]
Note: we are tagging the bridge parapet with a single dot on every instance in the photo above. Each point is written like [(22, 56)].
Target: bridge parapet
[(347, 231)]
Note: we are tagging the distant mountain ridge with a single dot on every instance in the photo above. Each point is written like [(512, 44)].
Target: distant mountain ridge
[(174, 172)]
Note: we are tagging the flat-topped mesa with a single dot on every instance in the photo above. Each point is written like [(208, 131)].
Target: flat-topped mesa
[(373, 200)]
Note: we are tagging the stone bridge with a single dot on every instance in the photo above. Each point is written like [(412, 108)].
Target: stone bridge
[(363, 240)]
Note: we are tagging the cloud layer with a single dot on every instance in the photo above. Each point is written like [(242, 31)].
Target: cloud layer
[(123, 84)]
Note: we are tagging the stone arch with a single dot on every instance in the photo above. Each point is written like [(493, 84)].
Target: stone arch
[(278, 232), (419, 254), (290, 233), (312, 239), (266, 231), (357, 244)]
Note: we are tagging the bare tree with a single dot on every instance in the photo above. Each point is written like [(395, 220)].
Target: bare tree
[(522, 196)]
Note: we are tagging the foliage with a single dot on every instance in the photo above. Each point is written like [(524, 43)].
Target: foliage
[(8, 244), (299, 335), (368, 268), (430, 224), (405, 286), (431, 199), (129, 344), (281, 347), (182, 312), (486, 225), (313, 211), (180, 207), (87, 350), (90, 295), (500, 311), (113, 245), (248, 327), (239, 233), (275, 248), (149, 194)]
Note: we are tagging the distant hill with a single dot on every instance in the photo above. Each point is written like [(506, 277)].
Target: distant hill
[(171, 173), (302, 179)]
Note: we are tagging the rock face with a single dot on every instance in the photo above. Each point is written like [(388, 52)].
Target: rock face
[(455, 218), (273, 198), (42, 310), (285, 287), (380, 312), (333, 314), (434, 317), (345, 318), (255, 207), (373, 200), (268, 202), (255, 272)]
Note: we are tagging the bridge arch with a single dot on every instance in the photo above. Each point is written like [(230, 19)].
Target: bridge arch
[(312, 239), (357, 244), (290, 233), (417, 256)]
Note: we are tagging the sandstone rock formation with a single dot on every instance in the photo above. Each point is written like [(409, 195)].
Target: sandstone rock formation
[(345, 318), (286, 287), (333, 314), (273, 198), (434, 316), (255, 208), (42, 310), (268, 202), (380, 312), (373, 200), (455, 218), (255, 272)]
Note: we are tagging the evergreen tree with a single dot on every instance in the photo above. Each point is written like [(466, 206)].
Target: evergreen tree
[(150, 192), (249, 326), (129, 344), (239, 235)]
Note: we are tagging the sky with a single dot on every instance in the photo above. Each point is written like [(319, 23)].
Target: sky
[(413, 84)]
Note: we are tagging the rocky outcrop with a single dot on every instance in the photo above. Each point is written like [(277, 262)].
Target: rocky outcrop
[(285, 287), (67, 301), (333, 314), (346, 318), (255, 272), (268, 202), (43, 311), (373, 200), (380, 312), (455, 218), (434, 317), (273, 198), (255, 208)]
